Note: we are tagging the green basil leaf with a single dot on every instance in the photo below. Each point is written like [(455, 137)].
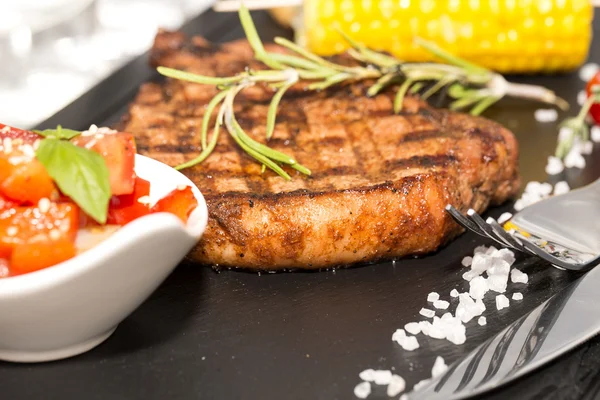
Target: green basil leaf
[(59, 133), (80, 173)]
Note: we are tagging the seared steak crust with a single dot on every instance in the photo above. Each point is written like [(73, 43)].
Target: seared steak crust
[(379, 181)]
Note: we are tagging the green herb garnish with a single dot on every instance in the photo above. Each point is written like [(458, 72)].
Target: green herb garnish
[(79, 173), (59, 133), (470, 86)]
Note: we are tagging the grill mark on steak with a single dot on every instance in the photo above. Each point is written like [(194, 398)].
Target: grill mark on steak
[(380, 181)]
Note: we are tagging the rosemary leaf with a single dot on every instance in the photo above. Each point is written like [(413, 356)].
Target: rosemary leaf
[(308, 55), (195, 78), (416, 87), (381, 83), (450, 58), (250, 31), (211, 145), (483, 105), (332, 80), (208, 113), (464, 102), (437, 86), (399, 99), (369, 56), (272, 113), (293, 61)]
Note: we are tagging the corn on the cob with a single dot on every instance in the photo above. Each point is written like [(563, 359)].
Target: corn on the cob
[(521, 36)]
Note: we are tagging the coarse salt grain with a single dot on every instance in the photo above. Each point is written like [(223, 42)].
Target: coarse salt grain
[(441, 304), (408, 343), (439, 367), (367, 375), (574, 159), (420, 384), (587, 71), (44, 204), (469, 275), (478, 287), (554, 166), (144, 200), (482, 321), (362, 390), (396, 386), (581, 97), (427, 313), (545, 115), (181, 187), (3, 271), (12, 230), (595, 133), (517, 296), (413, 328), (54, 234), (382, 377), (433, 296), (561, 187), (517, 276), (454, 293), (502, 302), (504, 217), (467, 261)]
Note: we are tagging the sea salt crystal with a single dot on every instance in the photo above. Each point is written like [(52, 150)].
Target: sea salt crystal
[(595, 133), (574, 159), (382, 377), (467, 309), (499, 266), (3, 271), (491, 250), (482, 321), (441, 304), (425, 326), (565, 133), (504, 217), (454, 293), (427, 313), (502, 302), (457, 335), (478, 287), (420, 384), (396, 386), (466, 262), (506, 255), (545, 115), (362, 390), (517, 296), (433, 296), (413, 328), (439, 367), (587, 71), (469, 275), (480, 249), (367, 375), (481, 262), (408, 343), (581, 97), (554, 166), (404, 397), (517, 276), (587, 147), (561, 187), (498, 283)]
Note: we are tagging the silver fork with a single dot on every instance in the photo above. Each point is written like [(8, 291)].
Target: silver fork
[(564, 230)]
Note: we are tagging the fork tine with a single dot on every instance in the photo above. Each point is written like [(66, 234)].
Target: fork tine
[(472, 214), (535, 249), (464, 221), (499, 230)]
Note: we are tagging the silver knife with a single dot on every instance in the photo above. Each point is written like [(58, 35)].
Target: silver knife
[(563, 322)]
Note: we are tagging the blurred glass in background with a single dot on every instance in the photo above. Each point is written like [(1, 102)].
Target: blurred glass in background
[(52, 51)]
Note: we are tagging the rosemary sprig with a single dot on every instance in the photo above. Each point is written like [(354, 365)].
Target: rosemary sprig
[(469, 85), (576, 126)]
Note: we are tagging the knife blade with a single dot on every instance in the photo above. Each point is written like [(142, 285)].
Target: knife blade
[(561, 323)]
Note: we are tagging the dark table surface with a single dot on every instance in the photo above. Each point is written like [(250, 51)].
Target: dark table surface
[(236, 335)]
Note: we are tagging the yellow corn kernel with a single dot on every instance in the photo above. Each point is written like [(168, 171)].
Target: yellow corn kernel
[(519, 36)]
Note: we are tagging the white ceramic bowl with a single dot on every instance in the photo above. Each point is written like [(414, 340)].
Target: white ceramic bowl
[(72, 307)]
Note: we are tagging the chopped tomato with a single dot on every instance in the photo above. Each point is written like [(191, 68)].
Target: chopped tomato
[(118, 150), (30, 225), (24, 179), (35, 256), (180, 202), (5, 203), (125, 208), (14, 133)]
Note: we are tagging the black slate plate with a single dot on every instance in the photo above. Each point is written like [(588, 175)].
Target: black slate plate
[(235, 335)]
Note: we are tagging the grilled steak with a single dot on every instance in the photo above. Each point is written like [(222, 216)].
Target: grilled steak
[(379, 181)]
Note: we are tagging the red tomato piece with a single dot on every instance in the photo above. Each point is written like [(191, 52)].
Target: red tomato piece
[(125, 208), (24, 179), (14, 133), (30, 225), (118, 150), (595, 109), (180, 202), (35, 256), (5, 203)]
